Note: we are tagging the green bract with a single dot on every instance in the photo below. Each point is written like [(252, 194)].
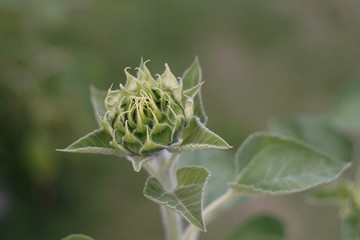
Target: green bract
[(148, 115)]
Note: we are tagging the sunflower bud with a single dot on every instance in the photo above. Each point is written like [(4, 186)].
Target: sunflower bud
[(147, 115)]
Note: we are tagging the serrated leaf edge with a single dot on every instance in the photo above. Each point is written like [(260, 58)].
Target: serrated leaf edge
[(201, 105), (312, 147), (201, 226), (110, 151), (93, 89), (254, 189), (196, 146)]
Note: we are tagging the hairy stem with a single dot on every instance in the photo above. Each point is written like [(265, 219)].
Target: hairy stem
[(164, 169), (171, 162), (172, 223), (151, 171)]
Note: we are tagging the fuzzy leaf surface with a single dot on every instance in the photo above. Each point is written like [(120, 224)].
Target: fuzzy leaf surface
[(221, 165), (350, 227), (260, 228), (345, 111), (317, 133), (187, 198), (197, 136), (77, 237), (272, 164), (97, 98), (96, 142), (192, 77), (337, 194)]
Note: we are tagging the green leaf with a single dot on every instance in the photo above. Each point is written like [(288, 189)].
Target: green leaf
[(197, 136), (187, 198), (97, 98), (272, 164), (357, 178), (192, 92), (318, 133), (345, 111), (350, 227), (191, 78), (337, 194), (97, 142), (77, 237), (263, 227), (221, 165)]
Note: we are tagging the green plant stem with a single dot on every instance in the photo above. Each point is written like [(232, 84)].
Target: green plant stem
[(171, 162), (152, 171), (212, 210), (165, 173), (172, 223), (192, 233)]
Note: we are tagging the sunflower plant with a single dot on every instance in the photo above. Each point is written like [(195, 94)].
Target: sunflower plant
[(158, 123)]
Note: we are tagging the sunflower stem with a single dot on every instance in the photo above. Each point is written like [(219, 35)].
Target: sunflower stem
[(164, 169)]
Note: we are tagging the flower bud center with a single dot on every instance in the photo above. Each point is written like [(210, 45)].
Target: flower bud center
[(141, 105), (142, 111)]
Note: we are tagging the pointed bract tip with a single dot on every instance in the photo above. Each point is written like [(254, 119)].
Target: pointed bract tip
[(92, 88), (137, 164), (196, 59), (144, 63), (109, 90)]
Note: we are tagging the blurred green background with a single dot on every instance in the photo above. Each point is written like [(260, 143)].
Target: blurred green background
[(260, 59)]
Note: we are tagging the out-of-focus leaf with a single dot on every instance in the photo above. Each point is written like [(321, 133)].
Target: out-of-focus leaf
[(273, 164), (345, 111), (41, 162), (191, 78), (187, 198), (77, 237), (97, 98), (357, 178), (197, 136), (221, 165), (263, 227), (318, 133), (334, 194), (350, 227)]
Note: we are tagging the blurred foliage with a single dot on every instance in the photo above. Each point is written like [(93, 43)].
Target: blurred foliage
[(259, 59), (260, 228)]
